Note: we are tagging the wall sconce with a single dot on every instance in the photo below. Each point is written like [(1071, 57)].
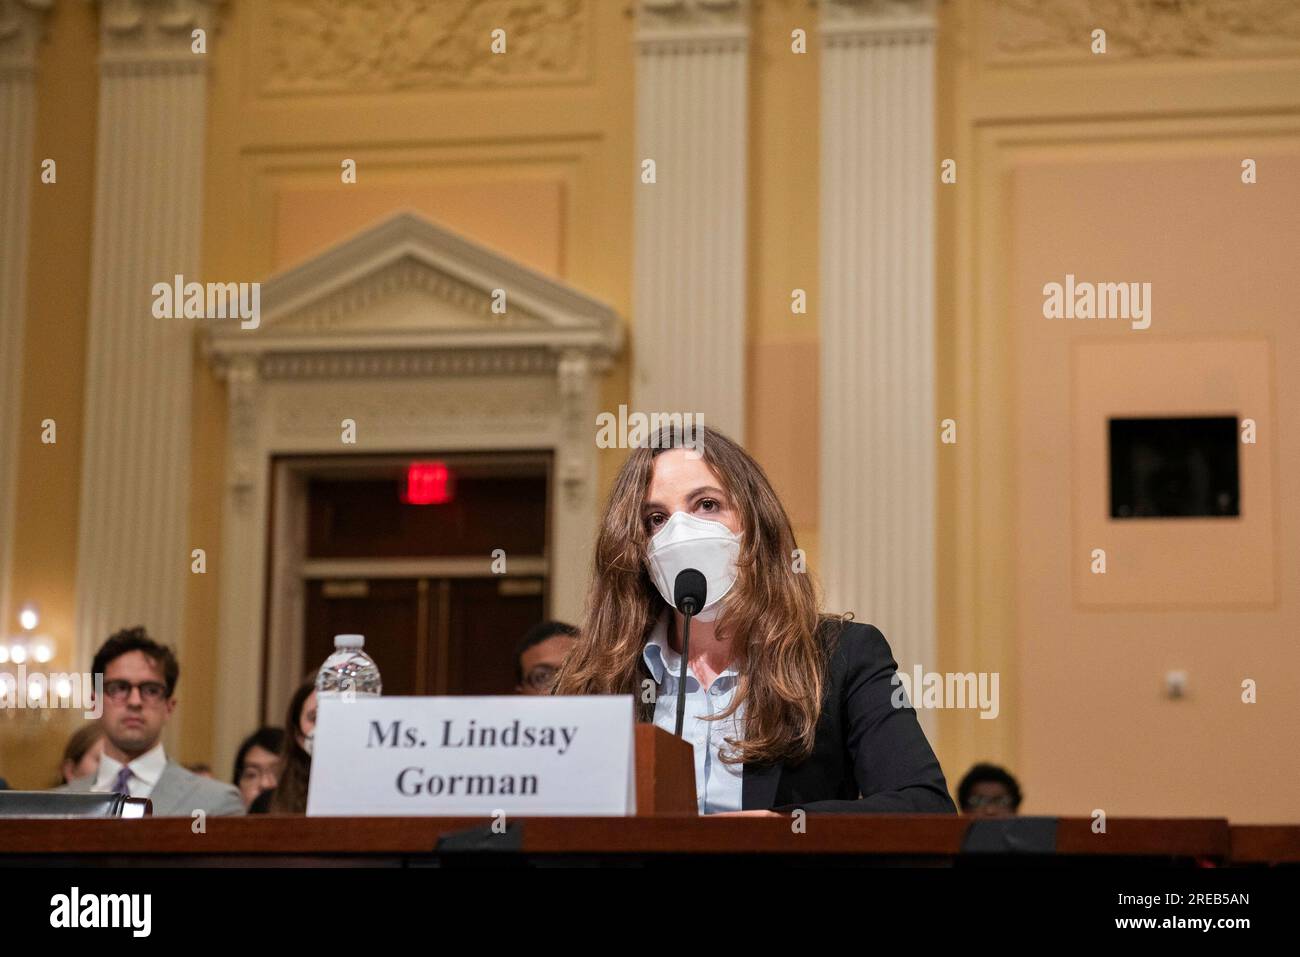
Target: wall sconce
[(27, 645), (28, 648)]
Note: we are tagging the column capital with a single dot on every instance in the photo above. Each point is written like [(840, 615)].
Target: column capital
[(142, 33), (879, 17), (691, 21), (22, 24)]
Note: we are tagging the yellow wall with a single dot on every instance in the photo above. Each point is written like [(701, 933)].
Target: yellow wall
[(58, 289), (782, 411)]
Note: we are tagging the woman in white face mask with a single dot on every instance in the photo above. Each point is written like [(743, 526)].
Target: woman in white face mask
[(786, 708)]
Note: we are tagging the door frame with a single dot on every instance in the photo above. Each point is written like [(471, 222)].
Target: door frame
[(288, 568)]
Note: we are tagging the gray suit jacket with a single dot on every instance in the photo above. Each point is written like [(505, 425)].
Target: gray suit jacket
[(179, 793)]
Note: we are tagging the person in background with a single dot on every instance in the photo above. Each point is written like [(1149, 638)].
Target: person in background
[(289, 796), (988, 791), (140, 678), (540, 654), (201, 769), (257, 762), (81, 756)]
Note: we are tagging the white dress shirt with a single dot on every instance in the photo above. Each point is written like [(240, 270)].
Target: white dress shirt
[(718, 786), (145, 772)]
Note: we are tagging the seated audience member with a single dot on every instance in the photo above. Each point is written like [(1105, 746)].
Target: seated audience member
[(289, 796), (540, 653), (988, 791), (255, 764), (140, 678), (81, 756)]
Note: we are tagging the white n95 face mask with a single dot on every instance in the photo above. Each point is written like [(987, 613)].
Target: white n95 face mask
[(684, 542)]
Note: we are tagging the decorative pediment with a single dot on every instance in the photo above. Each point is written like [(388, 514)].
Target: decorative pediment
[(387, 343), (412, 292)]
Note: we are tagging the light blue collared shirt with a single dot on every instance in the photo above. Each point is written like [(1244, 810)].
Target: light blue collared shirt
[(718, 786)]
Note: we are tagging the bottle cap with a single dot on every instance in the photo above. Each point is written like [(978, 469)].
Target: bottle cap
[(349, 641)]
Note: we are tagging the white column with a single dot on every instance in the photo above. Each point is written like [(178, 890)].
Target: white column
[(877, 318), (689, 283), (133, 556), (21, 25), (574, 500)]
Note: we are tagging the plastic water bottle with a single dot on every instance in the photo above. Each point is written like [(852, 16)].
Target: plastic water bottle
[(349, 669)]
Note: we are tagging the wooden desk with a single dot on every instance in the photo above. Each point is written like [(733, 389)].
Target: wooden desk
[(1265, 844), (923, 839)]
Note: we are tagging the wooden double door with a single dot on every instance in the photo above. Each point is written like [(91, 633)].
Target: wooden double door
[(428, 635), (442, 592)]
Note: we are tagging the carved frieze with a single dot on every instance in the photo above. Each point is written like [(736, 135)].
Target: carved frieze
[(379, 46), (1017, 31)]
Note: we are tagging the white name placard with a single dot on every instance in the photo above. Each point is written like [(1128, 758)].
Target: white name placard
[(412, 757)]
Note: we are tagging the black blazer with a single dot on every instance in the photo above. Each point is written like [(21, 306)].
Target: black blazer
[(868, 756)]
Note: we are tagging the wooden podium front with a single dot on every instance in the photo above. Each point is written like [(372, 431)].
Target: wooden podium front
[(665, 773)]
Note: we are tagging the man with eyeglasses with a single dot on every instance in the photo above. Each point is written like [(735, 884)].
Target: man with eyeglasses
[(989, 791), (140, 678), (540, 654)]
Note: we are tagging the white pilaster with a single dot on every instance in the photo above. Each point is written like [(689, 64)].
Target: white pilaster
[(877, 318), (21, 24), (133, 552), (689, 282)]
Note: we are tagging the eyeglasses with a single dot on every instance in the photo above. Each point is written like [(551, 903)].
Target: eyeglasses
[(979, 800), (251, 774), (541, 677), (151, 692)]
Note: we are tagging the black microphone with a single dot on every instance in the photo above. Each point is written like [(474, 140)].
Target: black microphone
[(689, 593)]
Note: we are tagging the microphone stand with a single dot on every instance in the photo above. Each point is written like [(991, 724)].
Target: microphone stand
[(688, 612)]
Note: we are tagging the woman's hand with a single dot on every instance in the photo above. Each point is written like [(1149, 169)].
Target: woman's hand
[(747, 814)]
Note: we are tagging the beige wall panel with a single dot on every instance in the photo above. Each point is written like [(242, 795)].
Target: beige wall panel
[(1014, 92), (1171, 563), (786, 402), (1095, 726), (524, 219)]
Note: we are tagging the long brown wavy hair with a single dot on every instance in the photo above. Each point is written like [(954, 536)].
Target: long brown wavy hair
[(290, 794), (770, 614)]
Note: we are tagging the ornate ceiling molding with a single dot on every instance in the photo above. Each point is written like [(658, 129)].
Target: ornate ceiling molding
[(22, 24), (382, 46), (140, 34), (1027, 31)]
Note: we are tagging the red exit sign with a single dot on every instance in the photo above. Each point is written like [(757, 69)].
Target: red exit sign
[(427, 483)]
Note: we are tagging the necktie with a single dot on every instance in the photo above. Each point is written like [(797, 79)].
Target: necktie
[(120, 782)]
